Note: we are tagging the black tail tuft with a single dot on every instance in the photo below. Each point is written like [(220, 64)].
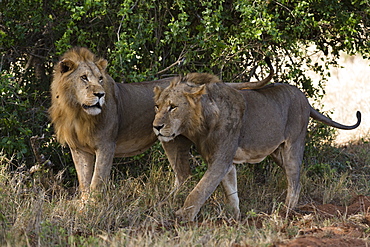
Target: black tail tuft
[(268, 61)]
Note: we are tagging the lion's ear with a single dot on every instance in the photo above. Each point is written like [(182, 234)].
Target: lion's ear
[(157, 92), (199, 91), (194, 96), (102, 64), (66, 65)]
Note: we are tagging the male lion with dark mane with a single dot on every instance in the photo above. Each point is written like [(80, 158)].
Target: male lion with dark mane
[(235, 126), (99, 118)]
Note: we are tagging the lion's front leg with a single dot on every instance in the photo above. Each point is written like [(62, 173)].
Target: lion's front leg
[(178, 154), (84, 164), (206, 186), (103, 166)]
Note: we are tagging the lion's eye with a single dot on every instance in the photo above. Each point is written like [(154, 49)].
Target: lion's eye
[(156, 108), (172, 107), (101, 79), (84, 78)]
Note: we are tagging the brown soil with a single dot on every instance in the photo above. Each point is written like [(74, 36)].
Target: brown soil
[(314, 241), (339, 234)]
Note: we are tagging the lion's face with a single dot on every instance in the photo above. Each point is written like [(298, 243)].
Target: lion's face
[(174, 107), (89, 88), (81, 84)]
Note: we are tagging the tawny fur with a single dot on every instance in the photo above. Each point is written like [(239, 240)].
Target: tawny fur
[(231, 126)]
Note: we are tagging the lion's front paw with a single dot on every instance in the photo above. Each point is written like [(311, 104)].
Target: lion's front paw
[(186, 214), (85, 197)]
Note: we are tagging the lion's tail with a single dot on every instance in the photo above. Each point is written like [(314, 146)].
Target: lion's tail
[(320, 117)]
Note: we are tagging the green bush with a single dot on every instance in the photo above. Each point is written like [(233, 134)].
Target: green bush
[(13, 135), (19, 118), (23, 114), (144, 40)]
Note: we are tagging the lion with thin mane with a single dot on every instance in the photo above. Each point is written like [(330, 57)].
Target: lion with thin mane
[(100, 119), (231, 126)]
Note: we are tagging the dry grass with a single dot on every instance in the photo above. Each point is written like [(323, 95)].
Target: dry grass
[(138, 212)]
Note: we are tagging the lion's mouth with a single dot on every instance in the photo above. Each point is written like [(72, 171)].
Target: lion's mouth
[(164, 138), (86, 107), (92, 109), (170, 136)]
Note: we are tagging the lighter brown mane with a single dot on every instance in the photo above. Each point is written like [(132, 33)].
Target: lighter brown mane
[(201, 78), (202, 109), (196, 119)]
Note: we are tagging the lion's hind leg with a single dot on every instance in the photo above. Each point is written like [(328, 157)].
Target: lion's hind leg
[(229, 184), (289, 157)]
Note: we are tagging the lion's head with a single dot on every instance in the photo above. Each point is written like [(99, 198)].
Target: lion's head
[(79, 81), (178, 107), (79, 91)]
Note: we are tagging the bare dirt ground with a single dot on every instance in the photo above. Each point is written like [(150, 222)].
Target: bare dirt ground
[(347, 233), (340, 234)]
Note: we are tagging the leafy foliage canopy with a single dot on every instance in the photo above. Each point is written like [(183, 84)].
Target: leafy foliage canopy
[(146, 39)]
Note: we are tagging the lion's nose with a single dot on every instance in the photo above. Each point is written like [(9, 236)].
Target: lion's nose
[(158, 127), (99, 95)]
